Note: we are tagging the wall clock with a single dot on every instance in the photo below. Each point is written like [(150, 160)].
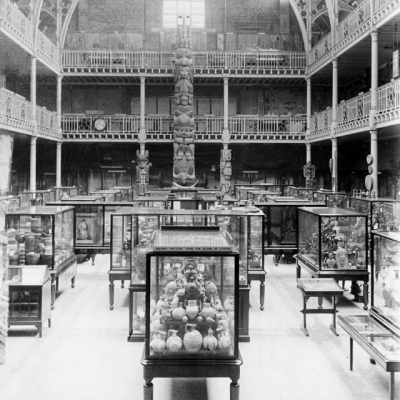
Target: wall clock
[(100, 124)]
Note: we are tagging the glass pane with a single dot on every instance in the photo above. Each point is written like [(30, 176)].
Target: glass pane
[(169, 7), (89, 226), (198, 21), (183, 8), (197, 8), (121, 243), (170, 21)]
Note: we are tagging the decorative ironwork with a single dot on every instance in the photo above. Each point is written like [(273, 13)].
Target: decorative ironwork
[(184, 165)]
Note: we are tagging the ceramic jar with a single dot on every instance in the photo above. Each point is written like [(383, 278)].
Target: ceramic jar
[(224, 341), (31, 242), (158, 343), (207, 311), (174, 342), (192, 339), (179, 312), (192, 309), (210, 342)]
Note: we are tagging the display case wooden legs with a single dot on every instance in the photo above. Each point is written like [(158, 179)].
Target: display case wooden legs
[(119, 276), (191, 369), (258, 275)]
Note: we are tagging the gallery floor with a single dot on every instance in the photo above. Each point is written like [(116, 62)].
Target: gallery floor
[(85, 354)]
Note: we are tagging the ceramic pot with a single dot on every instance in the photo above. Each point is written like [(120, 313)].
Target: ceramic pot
[(158, 344), (224, 342), (31, 242), (210, 342), (211, 290), (179, 312), (13, 260), (192, 309), (207, 311), (192, 339), (229, 304), (175, 301), (192, 290), (32, 258), (174, 342), (20, 237), (162, 302)]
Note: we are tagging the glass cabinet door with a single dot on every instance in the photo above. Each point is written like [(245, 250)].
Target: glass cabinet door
[(121, 246), (89, 225)]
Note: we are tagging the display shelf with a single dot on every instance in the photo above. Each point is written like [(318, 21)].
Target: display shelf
[(45, 236), (29, 296), (127, 192), (332, 243), (331, 199), (190, 313), (37, 197), (280, 226), (110, 195), (65, 191), (378, 333)]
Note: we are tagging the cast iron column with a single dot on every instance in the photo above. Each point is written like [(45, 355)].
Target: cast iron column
[(32, 174)]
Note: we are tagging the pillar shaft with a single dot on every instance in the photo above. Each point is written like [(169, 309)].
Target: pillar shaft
[(142, 130), (334, 89), (225, 129), (334, 165), (374, 70), (59, 92), (58, 164), (308, 80), (374, 164), (308, 152), (32, 180)]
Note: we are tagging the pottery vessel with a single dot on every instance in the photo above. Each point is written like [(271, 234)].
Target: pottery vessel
[(210, 342), (158, 344), (179, 312), (192, 309), (174, 342), (207, 311), (192, 339)]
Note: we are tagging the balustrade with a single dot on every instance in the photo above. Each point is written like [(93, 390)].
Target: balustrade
[(202, 60), (353, 113), (46, 122), (47, 50)]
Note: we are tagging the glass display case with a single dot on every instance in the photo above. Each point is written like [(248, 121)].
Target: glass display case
[(8, 203), (261, 195), (43, 236), (37, 197), (331, 199), (81, 199), (29, 290), (378, 333), (127, 192), (110, 195), (241, 192), (333, 243), (65, 191), (271, 187), (192, 281), (280, 226), (303, 192), (151, 201)]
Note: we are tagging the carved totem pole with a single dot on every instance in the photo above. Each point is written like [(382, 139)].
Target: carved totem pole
[(142, 170), (226, 172), (309, 174), (183, 170)]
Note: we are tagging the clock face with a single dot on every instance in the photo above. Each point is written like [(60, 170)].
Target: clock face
[(100, 124)]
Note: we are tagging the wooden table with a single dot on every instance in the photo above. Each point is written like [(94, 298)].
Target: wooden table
[(323, 287)]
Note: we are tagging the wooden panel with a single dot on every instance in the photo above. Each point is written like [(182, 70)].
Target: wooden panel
[(150, 105), (232, 106), (217, 106), (220, 41), (230, 42), (135, 105), (203, 106), (164, 105), (246, 42)]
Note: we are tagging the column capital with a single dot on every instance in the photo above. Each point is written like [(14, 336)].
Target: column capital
[(142, 79), (375, 34), (226, 80), (33, 56)]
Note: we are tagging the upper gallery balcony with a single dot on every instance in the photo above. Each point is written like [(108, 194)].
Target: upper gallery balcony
[(259, 62), (208, 129), (16, 115), (19, 28), (354, 115), (356, 26)]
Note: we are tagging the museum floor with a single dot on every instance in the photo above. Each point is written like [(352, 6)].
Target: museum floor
[(85, 354)]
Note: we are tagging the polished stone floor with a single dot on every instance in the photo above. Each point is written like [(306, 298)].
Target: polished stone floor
[(85, 354)]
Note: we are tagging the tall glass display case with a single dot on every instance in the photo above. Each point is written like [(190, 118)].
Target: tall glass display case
[(194, 322), (45, 236), (37, 197), (8, 203), (110, 195), (378, 333), (127, 192), (65, 191), (331, 199), (333, 243), (280, 226)]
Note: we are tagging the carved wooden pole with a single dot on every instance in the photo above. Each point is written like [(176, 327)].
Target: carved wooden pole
[(184, 167)]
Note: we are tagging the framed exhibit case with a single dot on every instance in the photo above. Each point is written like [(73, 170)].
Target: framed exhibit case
[(65, 191), (331, 199), (29, 290), (43, 236), (333, 243), (110, 195), (378, 333), (8, 203), (83, 199), (192, 325), (303, 192), (37, 197), (260, 196), (280, 226), (271, 187), (151, 201), (127, 192)]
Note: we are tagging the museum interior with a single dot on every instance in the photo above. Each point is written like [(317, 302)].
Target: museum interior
[(209, 192)]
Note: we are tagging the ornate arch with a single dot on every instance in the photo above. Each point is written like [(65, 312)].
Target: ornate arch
[(300, 11), (66, 22)]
